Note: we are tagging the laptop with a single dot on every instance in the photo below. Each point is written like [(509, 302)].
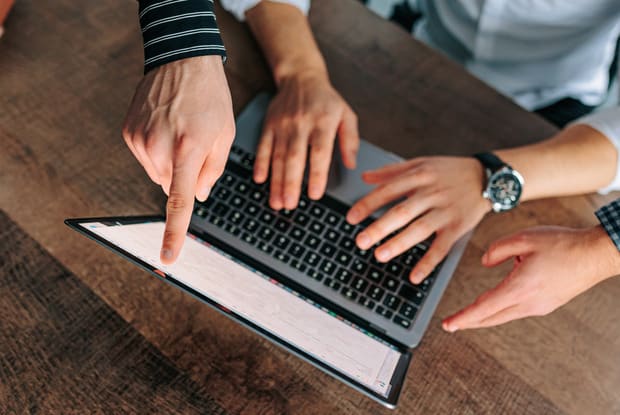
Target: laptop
[(295, 277)]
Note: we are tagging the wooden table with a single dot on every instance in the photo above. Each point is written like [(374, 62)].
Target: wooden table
[(82, 330)]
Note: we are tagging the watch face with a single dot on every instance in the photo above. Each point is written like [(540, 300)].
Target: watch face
[(505, 189)]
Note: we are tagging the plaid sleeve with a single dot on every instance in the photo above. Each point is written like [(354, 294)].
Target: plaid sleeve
[(609, 216), (178, 29)]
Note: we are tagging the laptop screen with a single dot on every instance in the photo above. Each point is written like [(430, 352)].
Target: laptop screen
[(303, 325)]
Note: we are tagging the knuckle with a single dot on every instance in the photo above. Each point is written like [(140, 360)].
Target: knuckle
[(176, 202), (401, 212)]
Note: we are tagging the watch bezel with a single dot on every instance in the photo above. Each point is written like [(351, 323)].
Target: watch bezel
[(496, 205)]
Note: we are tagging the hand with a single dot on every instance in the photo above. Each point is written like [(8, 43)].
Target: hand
[(442, 196), (306, 112), (552, 265), (180, 127)]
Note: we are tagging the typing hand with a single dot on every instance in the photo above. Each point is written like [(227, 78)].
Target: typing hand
[(180, 127), (306, 112), (440, 195), (552, 265)]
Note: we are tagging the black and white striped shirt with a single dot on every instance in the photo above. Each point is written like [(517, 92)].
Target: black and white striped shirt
[(178, 29)]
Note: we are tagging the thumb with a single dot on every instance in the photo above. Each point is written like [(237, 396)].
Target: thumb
[(505, 248)]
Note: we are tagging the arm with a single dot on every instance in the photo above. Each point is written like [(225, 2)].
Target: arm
[(306, 114), (180, 123)]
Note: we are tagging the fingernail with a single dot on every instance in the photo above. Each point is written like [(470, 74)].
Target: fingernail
[(450, 329), (416, 278), (353, 216), (363, 241), (314, 192), (383, 255), (166, 253), (204, 193)]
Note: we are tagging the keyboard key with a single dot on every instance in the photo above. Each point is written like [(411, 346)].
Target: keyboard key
[(384, 312), (265, 247), (376, 293), (303, 203), (317, 227), (298, 265), (404, 323), (390, 283), (347, 228), (314, 274), (348, 293), (227, 180), (282, 225), (375, 275), (408, 259), (312, 258), (281, 242), (232, 229), (347, 244), (301, 219), (236, 217), (257, 196), (408, 310), (408, 292), (280, 256), (287, 213), (391, 302), (266, 234), (359, 284), (366, 302), (222, 194), (267, 217), (394, 268), (248, 161), (296, 250), (328, 250), (242, 188), (220, 209), (297, 233), (250, 225), (237, 202), (358, 266), (343, 258), (252, 209), (343, 275), (201, 211), (312, 241), (327, 267), (217, 221), (236, 150), (332, 219), (317, 211), (248, 238), (333, 284), (425, 285), (362, 253), (332, 236)]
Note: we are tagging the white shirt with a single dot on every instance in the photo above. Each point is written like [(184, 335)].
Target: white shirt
[(534, 51)]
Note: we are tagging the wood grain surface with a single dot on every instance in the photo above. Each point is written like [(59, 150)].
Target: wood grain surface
[(64, 350), (67, 74)]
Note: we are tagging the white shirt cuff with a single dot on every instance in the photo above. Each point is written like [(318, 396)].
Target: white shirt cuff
[(607, 122), (239, 7)]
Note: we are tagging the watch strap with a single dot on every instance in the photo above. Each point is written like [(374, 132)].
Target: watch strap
[(490, 161)]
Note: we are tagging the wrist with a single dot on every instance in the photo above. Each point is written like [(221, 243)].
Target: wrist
[(600, 245), (299, 69)]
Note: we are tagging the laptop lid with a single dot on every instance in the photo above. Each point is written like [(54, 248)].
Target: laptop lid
[(263, 300)]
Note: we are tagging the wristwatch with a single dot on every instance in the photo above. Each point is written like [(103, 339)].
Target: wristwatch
[(504, 184)]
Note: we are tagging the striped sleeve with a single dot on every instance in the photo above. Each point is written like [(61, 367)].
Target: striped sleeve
[(609, 216), (178, 29)]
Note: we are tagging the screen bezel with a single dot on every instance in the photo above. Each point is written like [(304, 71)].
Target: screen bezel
[(398, 377)]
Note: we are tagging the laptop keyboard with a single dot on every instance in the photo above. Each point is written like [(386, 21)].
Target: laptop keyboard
[(316, 240)]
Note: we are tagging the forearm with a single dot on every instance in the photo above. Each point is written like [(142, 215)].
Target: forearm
[(289, 48), (577, 160)]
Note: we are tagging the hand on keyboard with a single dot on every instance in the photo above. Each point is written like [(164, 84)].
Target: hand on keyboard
[(306, 112), (442, 196)]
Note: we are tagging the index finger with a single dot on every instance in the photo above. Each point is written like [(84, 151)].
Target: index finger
[(180, 204)]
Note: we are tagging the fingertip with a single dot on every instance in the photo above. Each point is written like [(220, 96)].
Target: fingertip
[(315, 192), (448, 326), (167, 255), (416, 277)]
